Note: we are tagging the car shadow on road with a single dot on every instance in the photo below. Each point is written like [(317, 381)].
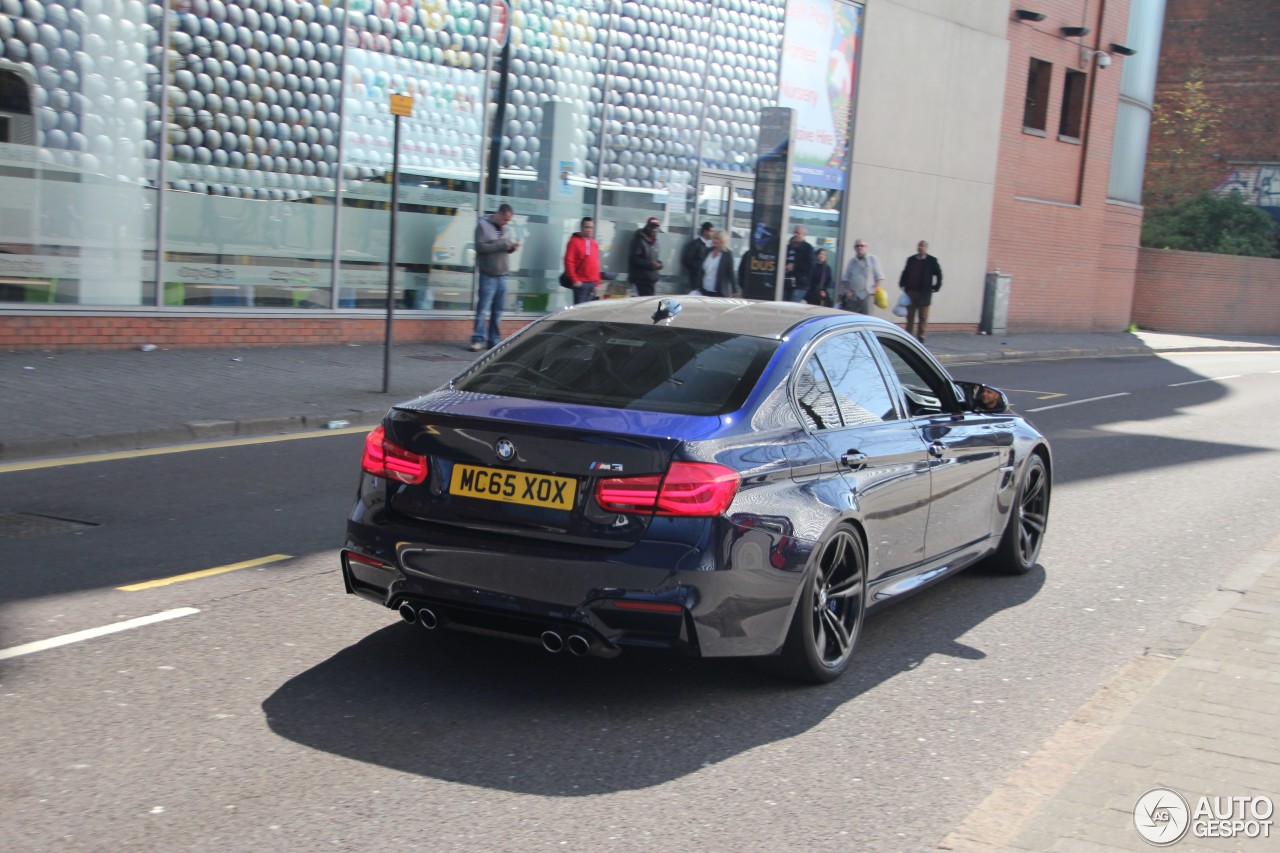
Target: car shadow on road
[(508, 716)]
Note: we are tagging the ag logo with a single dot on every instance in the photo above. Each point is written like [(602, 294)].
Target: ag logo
[(1161, 816), (505, 449)]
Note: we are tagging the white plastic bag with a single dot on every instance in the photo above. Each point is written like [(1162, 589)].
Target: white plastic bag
[(904, 302)]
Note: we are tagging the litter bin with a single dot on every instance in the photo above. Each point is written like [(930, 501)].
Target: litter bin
[(995, 304)]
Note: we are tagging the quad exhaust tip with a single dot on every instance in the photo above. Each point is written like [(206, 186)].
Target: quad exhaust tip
[(551, 641), (426, 617)]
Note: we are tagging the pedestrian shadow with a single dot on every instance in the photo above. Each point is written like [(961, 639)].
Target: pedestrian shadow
[(507, 716)]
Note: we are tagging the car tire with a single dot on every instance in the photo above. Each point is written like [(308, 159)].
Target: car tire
[(1028, 519), (828, 619)]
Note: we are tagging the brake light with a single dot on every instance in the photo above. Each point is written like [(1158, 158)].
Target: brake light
[(385, 459), (689, 489)]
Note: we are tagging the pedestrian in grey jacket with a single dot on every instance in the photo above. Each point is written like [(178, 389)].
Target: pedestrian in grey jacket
[(492, 248), (862, 275)]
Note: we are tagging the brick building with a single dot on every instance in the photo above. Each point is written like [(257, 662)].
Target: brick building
[(1068, 212), (1233, 47)]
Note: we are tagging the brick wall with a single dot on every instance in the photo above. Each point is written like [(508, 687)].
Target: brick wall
[(1069, 252), (31, 331), (1236, 44), (1211, 294), (1117, 266)]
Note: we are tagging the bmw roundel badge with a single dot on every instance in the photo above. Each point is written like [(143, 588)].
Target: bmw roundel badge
[(505, 449)]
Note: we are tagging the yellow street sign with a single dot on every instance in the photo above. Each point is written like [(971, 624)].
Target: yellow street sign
[(402, 105)]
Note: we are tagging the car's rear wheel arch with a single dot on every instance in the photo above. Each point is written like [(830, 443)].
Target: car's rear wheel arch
[(844, 579)]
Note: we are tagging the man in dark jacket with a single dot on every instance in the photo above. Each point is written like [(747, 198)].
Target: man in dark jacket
[(799, 266), (694, 253), (643, 266), (921, 278)]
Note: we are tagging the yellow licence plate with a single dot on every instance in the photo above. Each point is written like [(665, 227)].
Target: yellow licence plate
[(517, 487)]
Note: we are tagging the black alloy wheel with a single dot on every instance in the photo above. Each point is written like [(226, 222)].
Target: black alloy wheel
[(828, 618), (1020, 546)]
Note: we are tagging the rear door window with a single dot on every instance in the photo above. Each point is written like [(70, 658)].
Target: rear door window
[(860, 390), (656, 368), (815, 399)]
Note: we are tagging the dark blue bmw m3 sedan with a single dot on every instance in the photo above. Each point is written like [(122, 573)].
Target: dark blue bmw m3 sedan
[(701, 475)]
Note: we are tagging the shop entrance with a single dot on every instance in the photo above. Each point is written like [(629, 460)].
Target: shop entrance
[(725, 200)]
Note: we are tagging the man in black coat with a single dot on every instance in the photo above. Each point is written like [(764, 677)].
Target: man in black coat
[(694, 253), (921, 278), (643, 266), (799, 266)]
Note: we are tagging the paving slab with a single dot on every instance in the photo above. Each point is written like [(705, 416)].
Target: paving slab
[(81, 402)]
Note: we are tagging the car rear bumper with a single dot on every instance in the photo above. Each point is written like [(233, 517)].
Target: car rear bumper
[(732, 596)]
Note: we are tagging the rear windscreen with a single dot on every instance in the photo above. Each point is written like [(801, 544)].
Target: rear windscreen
[(656, 368)]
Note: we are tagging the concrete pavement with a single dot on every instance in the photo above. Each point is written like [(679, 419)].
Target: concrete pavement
[(1187, 725), (80, 402)]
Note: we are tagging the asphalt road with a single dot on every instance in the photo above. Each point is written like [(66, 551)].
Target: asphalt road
[(283, 714)]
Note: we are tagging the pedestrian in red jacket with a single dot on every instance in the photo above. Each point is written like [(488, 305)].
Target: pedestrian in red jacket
[(582, 262)]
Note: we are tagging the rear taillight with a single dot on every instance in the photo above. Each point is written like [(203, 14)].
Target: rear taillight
[(688, 489), (384, 459)]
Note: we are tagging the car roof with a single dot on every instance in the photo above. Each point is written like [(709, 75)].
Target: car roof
[(736, 316)]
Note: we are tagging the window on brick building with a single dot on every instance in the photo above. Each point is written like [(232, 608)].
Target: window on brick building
[(1035, 112), (1072, 105)]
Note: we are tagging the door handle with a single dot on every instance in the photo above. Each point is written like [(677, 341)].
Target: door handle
[(936, 449), (854, 460)]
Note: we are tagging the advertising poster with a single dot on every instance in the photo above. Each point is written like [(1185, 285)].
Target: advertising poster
[(819, 56), (768, 215)]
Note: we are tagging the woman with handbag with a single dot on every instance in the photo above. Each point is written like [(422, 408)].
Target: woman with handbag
[(717, 268)]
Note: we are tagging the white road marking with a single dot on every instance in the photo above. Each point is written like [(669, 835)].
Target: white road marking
[(91, 633), (1078, 402), (1043, 395), (1198, 381)]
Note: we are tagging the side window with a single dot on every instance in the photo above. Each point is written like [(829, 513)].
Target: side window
[(1072, 104), (860, 389), (813, 396), (928, 392), (1035, 108)]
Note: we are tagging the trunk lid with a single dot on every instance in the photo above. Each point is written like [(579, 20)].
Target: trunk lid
[(529, 468)]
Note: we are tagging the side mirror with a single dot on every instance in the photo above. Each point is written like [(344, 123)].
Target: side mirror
[(984, 398)]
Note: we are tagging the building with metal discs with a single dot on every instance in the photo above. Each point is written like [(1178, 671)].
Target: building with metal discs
[(233, 158)]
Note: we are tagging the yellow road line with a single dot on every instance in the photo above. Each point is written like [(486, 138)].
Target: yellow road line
[(204, 573), (38, 464)]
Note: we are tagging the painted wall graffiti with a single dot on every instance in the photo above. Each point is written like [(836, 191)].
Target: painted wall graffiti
[(1258, 183)]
